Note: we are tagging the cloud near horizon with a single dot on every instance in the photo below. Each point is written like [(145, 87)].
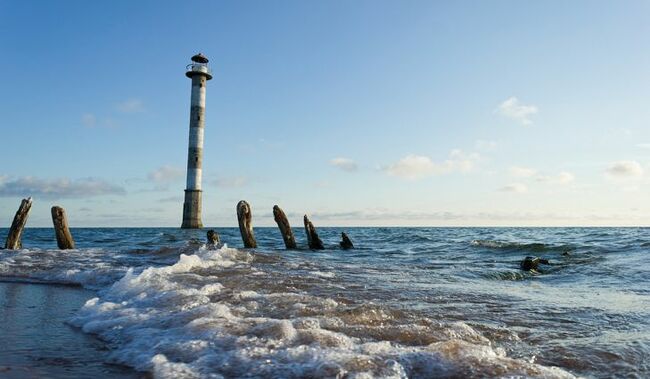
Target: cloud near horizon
[(57, 188), (522, 172), (231, 182), (511, 108), (514, 188), (624, 169), (344, 164), (563, 177), (414, 167), (165, 174)]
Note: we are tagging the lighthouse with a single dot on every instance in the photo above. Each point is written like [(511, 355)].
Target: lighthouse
[(200, 73)]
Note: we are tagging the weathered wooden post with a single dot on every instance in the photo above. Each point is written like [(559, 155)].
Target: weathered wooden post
[(285, 228), (213, 237), (312, 237), (14, 241), (245, 216), (63, 237), (345, 242)]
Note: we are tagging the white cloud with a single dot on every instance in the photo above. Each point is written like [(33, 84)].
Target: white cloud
[(522, 172), (58, 188), (165, 174), (485, 145), (624, 169), (513, 109), (412, 167), (130, 106), (344, 164), (643, 145), (514, 188), (418, 166), (231, 182), (563, 177)]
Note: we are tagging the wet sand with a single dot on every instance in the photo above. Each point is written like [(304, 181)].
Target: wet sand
[(36, 342)]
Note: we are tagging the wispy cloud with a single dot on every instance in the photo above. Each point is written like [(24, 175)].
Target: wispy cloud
[(643, 145), (345, 164), (89, 120), (130, 106), (485, 145), (563, 177), (522, 172), (58, 188), (414, 167), (514, 110), (165, 174), (231, 182), (624, 169), (171, 199), (514, 188)]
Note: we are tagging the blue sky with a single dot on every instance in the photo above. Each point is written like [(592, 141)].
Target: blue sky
[(355, 112)]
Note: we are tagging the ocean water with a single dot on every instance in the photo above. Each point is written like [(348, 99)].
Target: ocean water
[(406, 302)]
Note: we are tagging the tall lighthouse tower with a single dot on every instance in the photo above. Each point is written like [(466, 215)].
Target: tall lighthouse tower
[(200, 73)]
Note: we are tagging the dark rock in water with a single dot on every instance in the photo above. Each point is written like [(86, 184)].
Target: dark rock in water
[(345, 242), (213, 237), (566, 253), (532, 263)]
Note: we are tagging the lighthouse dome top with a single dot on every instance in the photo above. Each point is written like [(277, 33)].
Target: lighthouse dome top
[(200, 58), (199, 66)]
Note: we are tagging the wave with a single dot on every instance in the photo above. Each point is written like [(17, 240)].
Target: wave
[(200, 318), (532, 246)]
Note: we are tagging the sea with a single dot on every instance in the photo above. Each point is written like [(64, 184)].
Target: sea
[(404, 303)]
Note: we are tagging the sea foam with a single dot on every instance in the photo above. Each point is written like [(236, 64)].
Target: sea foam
[(198, 318)]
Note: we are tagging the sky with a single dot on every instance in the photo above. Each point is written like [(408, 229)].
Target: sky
[(358, 113)]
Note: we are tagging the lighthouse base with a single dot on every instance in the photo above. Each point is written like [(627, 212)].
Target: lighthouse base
[(192, 210)]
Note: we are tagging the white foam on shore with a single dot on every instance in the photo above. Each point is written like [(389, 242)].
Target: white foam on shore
[(197, 319)]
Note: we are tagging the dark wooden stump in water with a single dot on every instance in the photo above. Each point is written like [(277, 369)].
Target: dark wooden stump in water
[(346, 243), (245, 217), (213, 237), (532, 263), (14, 240), (285, 228), (63, 236), (312, 237)]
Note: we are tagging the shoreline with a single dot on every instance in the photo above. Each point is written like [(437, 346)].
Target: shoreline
[(39, 343)]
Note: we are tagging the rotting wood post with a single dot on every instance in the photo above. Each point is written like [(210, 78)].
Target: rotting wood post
[(213, 237), (346, 243), (63, 237), (312, 237), (245, 216), (285, 228), (14, 241)]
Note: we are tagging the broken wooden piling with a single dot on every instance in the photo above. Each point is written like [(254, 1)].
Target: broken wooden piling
[(14, 241), (312, 237), (346, 243), (63, 236), (245, 216), (213, 237), (285, 229)]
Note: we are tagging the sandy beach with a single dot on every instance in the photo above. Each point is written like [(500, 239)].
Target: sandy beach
[(37, 342)]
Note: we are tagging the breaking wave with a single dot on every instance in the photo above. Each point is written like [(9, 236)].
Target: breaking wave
[(196, 318)]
